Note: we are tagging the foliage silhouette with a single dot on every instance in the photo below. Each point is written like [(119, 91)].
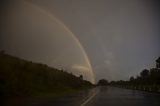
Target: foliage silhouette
[(148, 80), (102, 82)]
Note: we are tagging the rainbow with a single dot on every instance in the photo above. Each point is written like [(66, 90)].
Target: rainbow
[(53, 18)]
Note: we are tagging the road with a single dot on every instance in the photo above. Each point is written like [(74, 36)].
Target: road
[(100, 96), (69, 100), (112, 96)]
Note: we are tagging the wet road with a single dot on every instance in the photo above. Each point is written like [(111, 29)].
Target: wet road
[(100, 96), (69, 100), (112, 96)]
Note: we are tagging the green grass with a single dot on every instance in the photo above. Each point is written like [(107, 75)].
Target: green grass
[(22, 78)]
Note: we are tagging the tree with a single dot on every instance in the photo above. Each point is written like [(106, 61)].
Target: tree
[(158, 63), (102, 82), (144, 73), (81, 77), (131, 79)]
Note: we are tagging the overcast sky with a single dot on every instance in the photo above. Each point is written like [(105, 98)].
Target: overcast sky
[(112, 39)]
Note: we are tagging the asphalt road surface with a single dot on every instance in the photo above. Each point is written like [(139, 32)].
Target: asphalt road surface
[(112, 96), (100, 96)]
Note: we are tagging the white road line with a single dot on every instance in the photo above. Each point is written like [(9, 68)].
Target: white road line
[(90, 98)]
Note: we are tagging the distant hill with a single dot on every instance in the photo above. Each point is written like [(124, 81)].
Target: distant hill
[(19, 77)]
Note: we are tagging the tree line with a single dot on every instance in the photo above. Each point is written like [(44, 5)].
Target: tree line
[(147, 80)]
